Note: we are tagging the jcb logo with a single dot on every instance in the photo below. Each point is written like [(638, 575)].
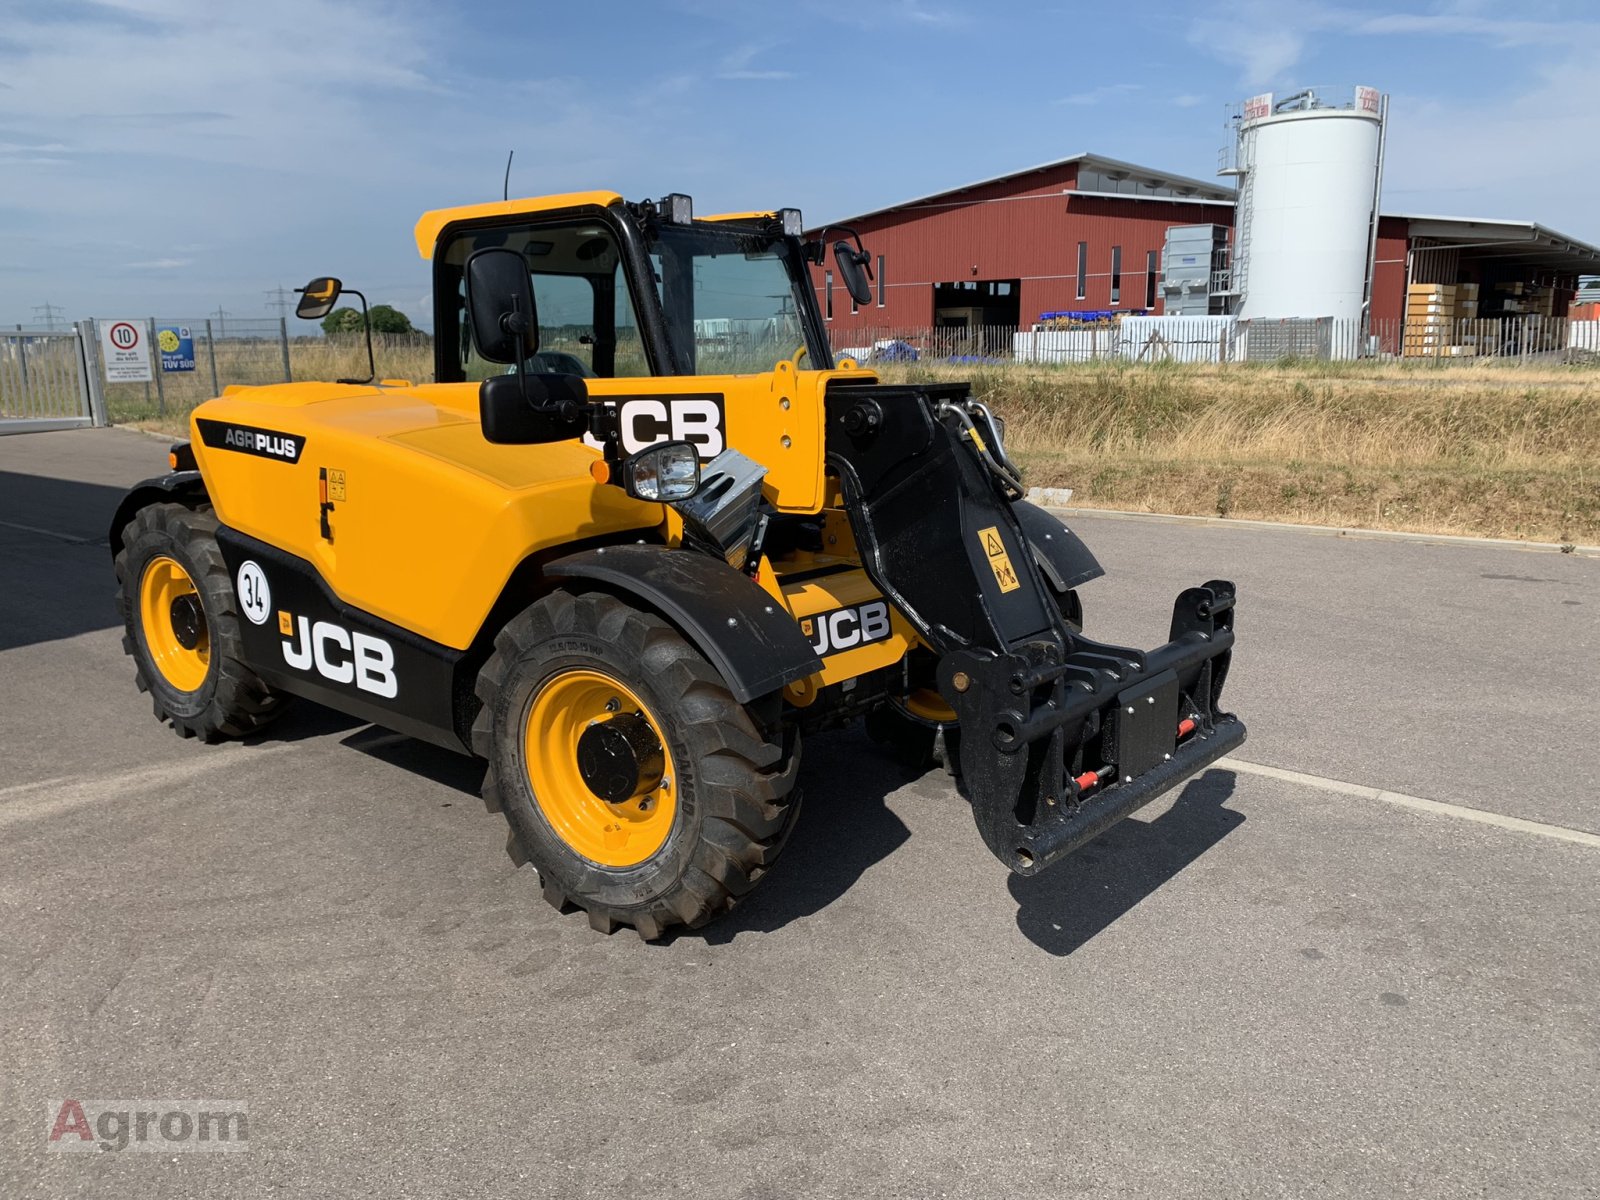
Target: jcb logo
[(650, 420), (847, 628), (339, 655)]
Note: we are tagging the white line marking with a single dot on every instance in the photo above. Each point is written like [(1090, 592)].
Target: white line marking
[(73, 538), (1436, 807), (25, 802)]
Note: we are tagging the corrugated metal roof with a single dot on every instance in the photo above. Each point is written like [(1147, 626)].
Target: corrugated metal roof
[(1507, 237), (1145, 175)]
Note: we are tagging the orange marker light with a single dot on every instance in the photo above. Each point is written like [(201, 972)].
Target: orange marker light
[(601, 470)]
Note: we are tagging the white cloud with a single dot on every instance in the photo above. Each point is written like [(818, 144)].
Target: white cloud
[(738, 65), (1266, 39), (1101, 95), (159, 264)]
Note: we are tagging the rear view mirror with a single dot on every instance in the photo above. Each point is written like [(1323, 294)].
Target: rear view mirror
[(317, 298), (500, 306), (853, 271)]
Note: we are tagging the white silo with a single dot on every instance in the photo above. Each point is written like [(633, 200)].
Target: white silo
[(1305, 226)]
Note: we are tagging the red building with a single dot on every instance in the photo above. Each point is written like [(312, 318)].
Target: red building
[(1086, 232)]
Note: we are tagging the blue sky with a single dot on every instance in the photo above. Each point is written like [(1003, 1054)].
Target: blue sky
[(172, 157)]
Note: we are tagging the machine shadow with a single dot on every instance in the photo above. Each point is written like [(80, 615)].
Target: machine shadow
[(843, 828), (444, 767), (54, 587), (1063, 908)]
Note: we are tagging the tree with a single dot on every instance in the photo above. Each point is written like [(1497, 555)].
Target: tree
[(342, 320), (385, 319)]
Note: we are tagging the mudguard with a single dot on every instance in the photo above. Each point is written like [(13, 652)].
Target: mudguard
[(1066, 562), (180, 486), (751, 639)]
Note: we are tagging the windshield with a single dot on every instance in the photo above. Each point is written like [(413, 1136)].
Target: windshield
[(733, 300), (587, 325)]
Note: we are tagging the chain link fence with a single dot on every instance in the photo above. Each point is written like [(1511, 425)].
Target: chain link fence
[(229, 351)]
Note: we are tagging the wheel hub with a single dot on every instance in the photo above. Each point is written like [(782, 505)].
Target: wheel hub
[(620, 758), (188, 622)]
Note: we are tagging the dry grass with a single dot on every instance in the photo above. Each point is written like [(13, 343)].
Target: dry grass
[(1505, 451), (1499, 451), (261, 362)]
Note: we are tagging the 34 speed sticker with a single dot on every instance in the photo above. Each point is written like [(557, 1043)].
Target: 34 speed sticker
[(847, 628)]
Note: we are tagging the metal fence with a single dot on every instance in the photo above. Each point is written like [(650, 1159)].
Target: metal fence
[(44, 382), (250, 352), (1532, 340)]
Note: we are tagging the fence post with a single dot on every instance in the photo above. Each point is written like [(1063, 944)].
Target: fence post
[(89, 350), (211, 353), (22, 358), (283, 340), (85, 396), (155, 366)]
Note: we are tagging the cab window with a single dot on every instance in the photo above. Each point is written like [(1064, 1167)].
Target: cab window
[(588, 325)]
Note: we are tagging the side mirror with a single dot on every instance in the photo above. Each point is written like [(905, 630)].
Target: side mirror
[(853, 271), (663, 473), (526, 410), (500, 306), (317, 298)]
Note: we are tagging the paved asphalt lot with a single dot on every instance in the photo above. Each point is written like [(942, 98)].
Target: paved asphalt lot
[(1256, 988)]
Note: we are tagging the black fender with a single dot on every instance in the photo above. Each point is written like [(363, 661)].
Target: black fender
[(184, 487), (748, 636), (1066, 562)]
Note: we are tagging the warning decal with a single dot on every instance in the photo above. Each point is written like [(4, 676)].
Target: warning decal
[(995, 551)]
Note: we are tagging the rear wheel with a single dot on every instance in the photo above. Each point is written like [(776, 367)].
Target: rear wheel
[(182, 626), (630, 777)]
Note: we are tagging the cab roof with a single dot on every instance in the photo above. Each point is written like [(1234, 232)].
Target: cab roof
[(432, 223)]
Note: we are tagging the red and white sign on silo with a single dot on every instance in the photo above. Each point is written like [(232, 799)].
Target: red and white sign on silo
[(1369, 100), (125, 350), (1258, 106)]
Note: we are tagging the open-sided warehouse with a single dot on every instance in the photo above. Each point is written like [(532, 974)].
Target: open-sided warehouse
[(1086, 235)]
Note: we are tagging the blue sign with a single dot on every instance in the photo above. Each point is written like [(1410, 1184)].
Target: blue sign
[(177, 347)]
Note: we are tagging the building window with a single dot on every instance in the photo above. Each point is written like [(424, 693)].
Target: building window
[(1083, 269), (827, 295), (1150, 280), (880, 281), (1116, 274)]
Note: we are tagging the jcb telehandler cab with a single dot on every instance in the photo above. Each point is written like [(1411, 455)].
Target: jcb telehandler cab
[(638, 539)]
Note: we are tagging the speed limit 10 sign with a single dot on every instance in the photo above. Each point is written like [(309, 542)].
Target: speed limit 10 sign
[(125, 350)]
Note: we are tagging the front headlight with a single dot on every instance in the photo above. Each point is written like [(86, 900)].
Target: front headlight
[(663, 473)]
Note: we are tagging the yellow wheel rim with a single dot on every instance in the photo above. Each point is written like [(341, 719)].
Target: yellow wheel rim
[(928, 705), (174, 623), (609, 835)]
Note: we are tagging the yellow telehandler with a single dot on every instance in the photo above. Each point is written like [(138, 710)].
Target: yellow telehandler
[(639, 537)]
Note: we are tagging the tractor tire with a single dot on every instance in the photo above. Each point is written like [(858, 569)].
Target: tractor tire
[(652, 855), (181, 626), (920, 730)]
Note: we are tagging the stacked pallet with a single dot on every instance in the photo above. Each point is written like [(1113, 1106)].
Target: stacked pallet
[(1526, 299), (1466, 327), (1430, 317)]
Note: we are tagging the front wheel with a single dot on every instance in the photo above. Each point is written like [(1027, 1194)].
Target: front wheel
[(630, 777), (182, 626)]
